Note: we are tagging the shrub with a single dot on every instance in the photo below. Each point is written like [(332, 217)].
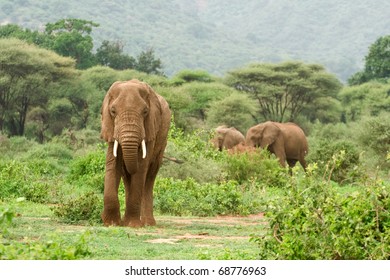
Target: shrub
[(187, 197), (375, 135), (338, 161), (259, 165), (86, 207), (31, 179), (314, 221), (88, 171), (196, 153)]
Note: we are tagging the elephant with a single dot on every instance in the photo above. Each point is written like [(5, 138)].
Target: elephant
[(227, 137), (134, 122), (286, 140)]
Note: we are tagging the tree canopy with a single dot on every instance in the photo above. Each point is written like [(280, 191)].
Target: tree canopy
[(26, 73), (377, 63), (282, 91), (72, 38)]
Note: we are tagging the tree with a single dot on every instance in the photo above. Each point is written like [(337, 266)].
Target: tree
[(32, 37), (71, 37), (368, 99), (111, 54), (235, 110), (283, 91), (377, 63), (187, 76), (146, 62), (26, 75)]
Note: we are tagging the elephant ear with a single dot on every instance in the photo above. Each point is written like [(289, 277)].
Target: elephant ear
[(153, 119), (107, 129), (270, 134)]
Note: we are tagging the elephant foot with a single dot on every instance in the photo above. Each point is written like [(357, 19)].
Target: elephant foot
[(111, 220), (148, 221), (135, 223)]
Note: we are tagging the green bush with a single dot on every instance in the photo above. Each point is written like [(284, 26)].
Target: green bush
[(86, 207), (199, 160), (375, 135), (338, 160), (25, 179), (259, 165), (187, 197), (88, 170), (314, 221)]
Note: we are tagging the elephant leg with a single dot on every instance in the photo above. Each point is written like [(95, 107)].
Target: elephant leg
[(147, 217), (111, 210), (134, 185), (281, 156)]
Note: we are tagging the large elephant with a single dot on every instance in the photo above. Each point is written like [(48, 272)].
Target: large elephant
[(135, 123), (286, 140), (227, 137)]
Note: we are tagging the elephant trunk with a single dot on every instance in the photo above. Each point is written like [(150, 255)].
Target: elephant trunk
[(130, 156), (131, 141)]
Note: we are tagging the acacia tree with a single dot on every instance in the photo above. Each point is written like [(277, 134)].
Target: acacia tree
[(26, 74), (283, 91)]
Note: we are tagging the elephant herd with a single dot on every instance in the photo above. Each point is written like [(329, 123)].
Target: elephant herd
[(286, 140), (135, 121)]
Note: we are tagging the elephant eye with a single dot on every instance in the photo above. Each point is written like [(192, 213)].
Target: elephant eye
[(113, 111), (145, 111)]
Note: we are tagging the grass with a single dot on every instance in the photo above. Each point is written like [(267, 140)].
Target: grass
[(174, 238)]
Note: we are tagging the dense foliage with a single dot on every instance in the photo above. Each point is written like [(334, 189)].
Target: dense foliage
[(283, 91), (313, 221), (377, 63)]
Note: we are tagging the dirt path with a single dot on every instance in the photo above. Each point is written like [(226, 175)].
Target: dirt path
[(222, 221)]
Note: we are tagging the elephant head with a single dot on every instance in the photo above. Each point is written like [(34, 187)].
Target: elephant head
[(227, 137), (130, 113), (263, 135)]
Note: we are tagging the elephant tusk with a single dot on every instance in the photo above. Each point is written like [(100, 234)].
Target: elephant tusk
[(143, 149), (115, 150)]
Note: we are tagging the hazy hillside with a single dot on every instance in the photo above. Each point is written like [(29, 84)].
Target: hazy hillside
[(218, 35)]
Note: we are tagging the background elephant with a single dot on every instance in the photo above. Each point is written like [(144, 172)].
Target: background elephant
[(286, 140), (135, 123), (227, 137)]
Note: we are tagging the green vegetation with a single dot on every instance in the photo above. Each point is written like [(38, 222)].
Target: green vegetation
[(52, 163), (315, 221)]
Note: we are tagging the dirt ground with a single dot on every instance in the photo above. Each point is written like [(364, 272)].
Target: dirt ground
[(225, 221)]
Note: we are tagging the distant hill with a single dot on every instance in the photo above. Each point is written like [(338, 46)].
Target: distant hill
[(219, 35)]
